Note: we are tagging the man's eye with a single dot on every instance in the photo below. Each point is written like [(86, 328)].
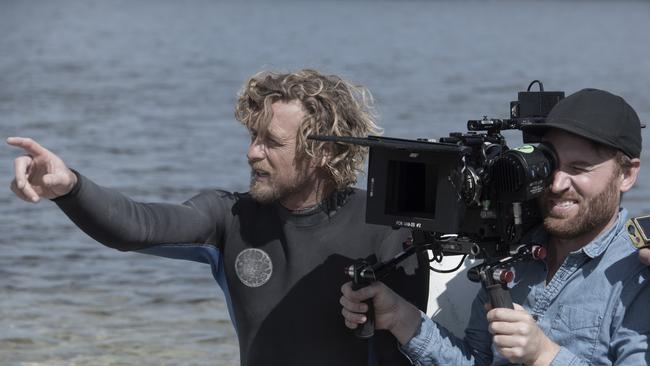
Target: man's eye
[(580, 168)]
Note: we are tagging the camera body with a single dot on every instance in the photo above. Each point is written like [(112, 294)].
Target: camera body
[(467, 185), (471, 184)]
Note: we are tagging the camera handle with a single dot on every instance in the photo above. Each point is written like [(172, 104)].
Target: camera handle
[(500, 296), (495, 276), (495, 280), (363, 274)]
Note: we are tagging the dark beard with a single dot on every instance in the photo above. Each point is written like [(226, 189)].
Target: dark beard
[(593, 215)]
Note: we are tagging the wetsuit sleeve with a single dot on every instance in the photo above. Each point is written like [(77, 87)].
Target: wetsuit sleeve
[(116, 221)]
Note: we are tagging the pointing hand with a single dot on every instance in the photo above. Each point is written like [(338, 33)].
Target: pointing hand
[(39, 173)]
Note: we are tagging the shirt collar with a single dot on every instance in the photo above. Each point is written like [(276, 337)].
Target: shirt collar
[(600, 244)]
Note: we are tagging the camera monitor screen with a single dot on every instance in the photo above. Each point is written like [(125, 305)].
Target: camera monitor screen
[(415, 185)]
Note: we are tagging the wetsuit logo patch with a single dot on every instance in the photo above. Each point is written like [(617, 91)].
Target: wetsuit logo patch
[(253, 267)]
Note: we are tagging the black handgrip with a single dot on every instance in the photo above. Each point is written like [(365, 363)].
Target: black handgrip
[(499, 296), (367, 329)]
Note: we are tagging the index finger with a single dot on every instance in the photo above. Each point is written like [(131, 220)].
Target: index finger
[(29, 145), (346, 289), (362, 294), (507, 315)]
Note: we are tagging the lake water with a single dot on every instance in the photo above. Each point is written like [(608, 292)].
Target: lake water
[(139, 95)]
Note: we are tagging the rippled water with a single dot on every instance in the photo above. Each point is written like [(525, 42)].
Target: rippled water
[(138, 95)]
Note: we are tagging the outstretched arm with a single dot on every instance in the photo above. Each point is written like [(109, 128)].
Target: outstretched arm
[(107, 215)]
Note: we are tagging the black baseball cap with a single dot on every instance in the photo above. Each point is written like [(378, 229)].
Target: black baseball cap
[(596, 115)]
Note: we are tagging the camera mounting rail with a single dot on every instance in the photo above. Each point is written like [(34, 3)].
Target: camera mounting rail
[(493, 274), (395, 143), (495, 125)]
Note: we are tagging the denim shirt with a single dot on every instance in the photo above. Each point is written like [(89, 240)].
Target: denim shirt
[(596, 307)]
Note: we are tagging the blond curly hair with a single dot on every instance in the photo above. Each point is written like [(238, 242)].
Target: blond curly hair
[(332, 106)]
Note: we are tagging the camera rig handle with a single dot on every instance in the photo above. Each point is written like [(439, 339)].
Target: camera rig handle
[(495, 281), (495, 275), (363, 274)]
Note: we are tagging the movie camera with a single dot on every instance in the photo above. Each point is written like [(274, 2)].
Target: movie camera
[(465, 194)]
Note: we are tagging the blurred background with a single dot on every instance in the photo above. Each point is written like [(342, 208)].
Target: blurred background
[(139, 96)]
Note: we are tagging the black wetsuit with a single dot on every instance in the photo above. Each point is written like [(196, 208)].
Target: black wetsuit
[(281, 270)]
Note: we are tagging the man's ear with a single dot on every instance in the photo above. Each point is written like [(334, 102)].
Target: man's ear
[(630, 175)]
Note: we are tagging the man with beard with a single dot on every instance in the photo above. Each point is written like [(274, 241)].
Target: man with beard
[(586, 304), (277, 251)]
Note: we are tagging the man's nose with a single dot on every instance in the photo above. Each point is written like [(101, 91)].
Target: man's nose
[(561, 181), (255, 151)]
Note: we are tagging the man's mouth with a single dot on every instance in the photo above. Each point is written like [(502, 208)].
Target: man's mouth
[(565, 203), (561, 206), (260, 174)]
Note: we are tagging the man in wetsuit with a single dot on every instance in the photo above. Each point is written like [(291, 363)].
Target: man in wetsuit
[(586, 304), (277, 251)]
